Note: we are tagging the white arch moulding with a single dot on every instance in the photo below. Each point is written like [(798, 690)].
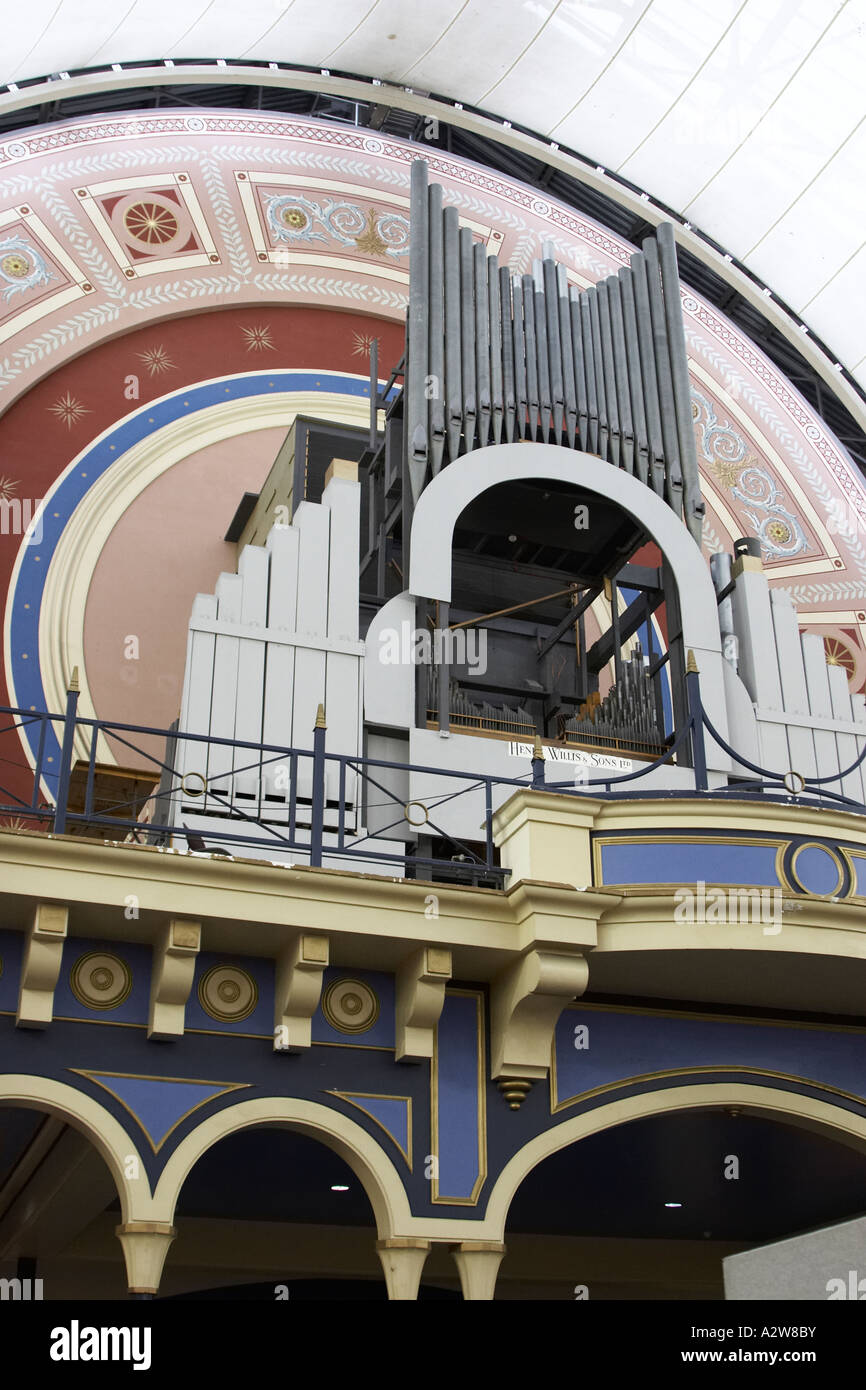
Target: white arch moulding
[(370, 1164), (791, 1107), (450, 492), (105, 1133)]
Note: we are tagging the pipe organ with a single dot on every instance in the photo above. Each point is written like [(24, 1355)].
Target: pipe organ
[(494, 357)]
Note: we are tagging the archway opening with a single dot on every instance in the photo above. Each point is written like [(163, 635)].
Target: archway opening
[(271, 1214), (58, 1210), (566, 596), (649, 1209)]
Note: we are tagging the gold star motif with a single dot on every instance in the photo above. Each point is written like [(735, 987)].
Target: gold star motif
[(363, 344), (259, 338), (157, 360), (68, 409)]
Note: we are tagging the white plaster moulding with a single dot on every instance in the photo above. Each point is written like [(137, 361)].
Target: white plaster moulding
[(64, 602), (357, 89)]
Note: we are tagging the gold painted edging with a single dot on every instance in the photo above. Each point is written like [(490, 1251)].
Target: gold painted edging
[(599, 842), (472, 1199), (840, 872), (350, 1097), (720, 1068), (227, 1086)]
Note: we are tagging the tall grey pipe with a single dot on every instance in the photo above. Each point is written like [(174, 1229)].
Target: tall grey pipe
[(507, 336), (497, 403), (670, 433), (600, 384), (567, 354), (541, 349), (649, 376), (435, 391), (693, 503), (521, 398), (467, 332), (580, 372), (554, 346), (453, 363), (620, 367), (482, 344), (597, 443), (635, 376), (416, 439), (532, 385)]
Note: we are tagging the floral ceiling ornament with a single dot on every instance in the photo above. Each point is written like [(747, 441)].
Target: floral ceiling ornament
[(736, 467), (21, 267), (721, 447), (293, 218), (779, 531)]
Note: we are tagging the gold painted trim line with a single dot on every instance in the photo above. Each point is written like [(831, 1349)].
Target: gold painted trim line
[(472, 1199), (600, 842), (849, 855), (840, 871), (352, 1097), (227, 1086), (720, 1068)]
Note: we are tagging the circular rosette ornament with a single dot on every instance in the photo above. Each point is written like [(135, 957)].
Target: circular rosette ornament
[(228, 993), (292, 218), (100, 980), (21, 267), (350, 1006)]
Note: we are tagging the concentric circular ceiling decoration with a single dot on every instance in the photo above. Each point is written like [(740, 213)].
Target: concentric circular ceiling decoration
[(119, 238)]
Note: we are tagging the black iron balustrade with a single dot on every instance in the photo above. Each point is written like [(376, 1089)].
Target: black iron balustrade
[(48, 802)]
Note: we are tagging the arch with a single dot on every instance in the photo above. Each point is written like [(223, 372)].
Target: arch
[(370, 1164), (97, 1124), (830, 1120), (451, 491)]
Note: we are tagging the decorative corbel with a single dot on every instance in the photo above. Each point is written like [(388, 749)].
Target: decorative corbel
[(174, 956), (421, 981), (527, 998), (298, 989), (40, 969)]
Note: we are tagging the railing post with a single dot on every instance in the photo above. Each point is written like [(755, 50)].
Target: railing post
[(64, 773), (537, 764), (696, 720), (317, 817)]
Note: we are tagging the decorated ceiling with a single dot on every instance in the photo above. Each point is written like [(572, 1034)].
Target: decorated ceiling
[(174, 287)]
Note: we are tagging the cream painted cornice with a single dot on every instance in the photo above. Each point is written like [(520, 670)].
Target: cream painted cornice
[(641, 918), (659, 814), (255, 907), (746, 817)]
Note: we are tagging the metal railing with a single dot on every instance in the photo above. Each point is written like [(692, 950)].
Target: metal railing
[(320, 817)]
